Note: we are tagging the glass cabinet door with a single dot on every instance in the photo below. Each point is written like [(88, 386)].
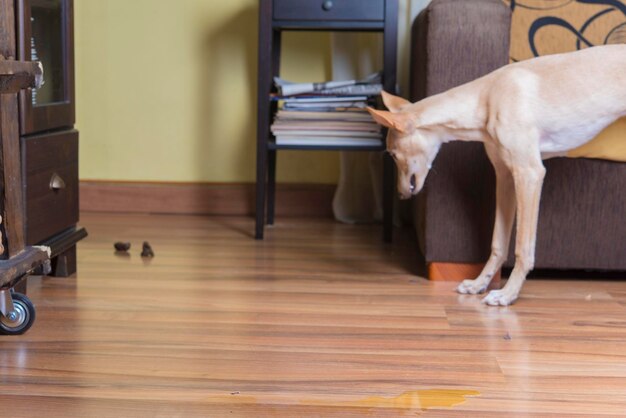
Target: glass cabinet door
[(46, 36), (46, 46)]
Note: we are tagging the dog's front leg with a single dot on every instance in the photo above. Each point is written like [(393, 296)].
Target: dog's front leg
[(528, 176), (505, 214)]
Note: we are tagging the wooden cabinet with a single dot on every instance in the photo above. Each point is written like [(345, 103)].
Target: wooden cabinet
[(49, 143), (50, 165)]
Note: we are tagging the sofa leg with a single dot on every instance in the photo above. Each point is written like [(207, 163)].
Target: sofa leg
[(458, 272)]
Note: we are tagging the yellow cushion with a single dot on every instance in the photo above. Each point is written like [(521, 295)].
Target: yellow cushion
[(609, 145), (565, 25)]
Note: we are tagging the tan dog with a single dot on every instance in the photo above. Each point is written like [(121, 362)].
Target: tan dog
[(523, 113)]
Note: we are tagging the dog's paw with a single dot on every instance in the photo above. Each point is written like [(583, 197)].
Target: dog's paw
[(472, 287), (499, 298)]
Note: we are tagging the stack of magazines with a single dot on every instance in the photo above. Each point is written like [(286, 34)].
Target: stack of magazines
[(326, 114)]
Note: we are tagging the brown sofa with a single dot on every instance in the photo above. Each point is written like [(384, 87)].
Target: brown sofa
[(582, 222)]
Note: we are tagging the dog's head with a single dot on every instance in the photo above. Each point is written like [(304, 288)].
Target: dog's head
[(412, 149)]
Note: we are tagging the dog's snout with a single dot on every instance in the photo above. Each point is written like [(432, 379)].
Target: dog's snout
[(413, 185)]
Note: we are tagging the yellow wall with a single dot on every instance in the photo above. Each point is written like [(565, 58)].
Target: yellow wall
[(166, 91)]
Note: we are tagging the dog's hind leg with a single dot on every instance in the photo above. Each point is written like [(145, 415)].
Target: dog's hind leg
[(505, 214), (528, 174)]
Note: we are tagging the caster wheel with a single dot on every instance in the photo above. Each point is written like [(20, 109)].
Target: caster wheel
[(22, 317)]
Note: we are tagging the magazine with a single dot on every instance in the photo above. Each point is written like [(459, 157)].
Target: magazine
[(288, 88)]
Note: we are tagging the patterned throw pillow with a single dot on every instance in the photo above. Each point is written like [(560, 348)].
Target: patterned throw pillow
[(542, 27)]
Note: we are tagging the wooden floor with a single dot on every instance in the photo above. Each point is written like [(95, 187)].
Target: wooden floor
[(319, 320)]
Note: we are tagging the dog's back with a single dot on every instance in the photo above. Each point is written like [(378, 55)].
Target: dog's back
[(570, 97)]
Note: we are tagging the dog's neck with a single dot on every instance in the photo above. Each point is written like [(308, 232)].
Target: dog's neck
[(456, 116)]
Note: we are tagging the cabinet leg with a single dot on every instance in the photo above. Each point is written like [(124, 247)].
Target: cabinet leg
[(388, 191), (22, 286), (271, 186), (64, 264)]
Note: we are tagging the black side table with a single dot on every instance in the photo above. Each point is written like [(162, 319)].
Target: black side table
[(276, 16)]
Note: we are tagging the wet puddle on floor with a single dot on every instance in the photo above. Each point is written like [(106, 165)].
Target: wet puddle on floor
[(410, 402), (416, 400)]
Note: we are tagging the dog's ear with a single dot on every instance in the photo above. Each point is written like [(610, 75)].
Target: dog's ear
[(393, 103), (401, 122)]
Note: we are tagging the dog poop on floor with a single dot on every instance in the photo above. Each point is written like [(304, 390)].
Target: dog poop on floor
[(147, 250), (122, 246)]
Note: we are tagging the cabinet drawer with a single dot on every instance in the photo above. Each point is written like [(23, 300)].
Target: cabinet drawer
[(358, 10), (51, 184)]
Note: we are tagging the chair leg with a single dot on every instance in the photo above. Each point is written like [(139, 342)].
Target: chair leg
[(271, 186), (388, 190)]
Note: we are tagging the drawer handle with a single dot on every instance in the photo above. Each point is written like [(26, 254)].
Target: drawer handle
[(327, 5), (56, 182)]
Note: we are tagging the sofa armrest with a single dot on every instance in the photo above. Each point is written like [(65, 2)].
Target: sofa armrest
[(454, 42)]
